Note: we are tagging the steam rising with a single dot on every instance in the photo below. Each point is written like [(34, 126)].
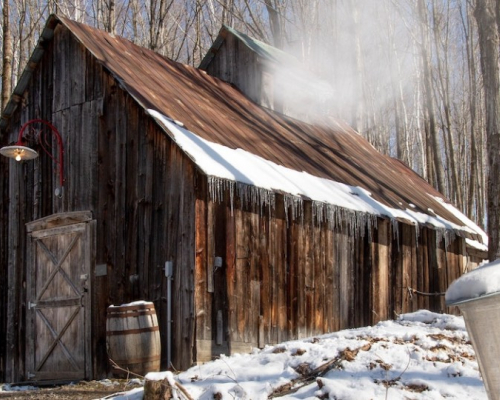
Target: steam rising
[(360, 58)]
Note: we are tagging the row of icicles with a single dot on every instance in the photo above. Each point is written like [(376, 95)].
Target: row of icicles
[(357, 222)]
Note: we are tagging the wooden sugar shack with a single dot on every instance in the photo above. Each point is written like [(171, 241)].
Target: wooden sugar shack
[(274, 229)]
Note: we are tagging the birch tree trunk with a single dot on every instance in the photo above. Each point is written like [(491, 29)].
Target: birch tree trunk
[(435, 166), (472, 203)]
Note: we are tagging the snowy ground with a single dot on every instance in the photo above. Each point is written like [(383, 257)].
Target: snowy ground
[(422, 355)]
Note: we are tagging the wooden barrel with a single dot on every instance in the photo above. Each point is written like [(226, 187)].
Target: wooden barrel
[(133, 338)]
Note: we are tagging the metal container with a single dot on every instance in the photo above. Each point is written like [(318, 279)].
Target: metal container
[(482, 320)]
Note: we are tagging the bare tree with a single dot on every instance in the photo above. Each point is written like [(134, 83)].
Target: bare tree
[(6, 54), (485, 14)]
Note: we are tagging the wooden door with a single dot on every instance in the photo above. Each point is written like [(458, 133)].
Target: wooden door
[(59, 297)]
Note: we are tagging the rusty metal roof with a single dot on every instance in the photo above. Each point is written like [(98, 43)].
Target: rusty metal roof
[(220, 113)]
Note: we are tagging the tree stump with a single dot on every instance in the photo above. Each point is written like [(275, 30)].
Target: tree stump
[(157, 389)]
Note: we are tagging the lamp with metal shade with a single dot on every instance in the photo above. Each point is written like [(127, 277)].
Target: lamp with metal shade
[(20, 152)]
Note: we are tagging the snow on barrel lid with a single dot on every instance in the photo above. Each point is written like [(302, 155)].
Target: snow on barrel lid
[(480, 282)]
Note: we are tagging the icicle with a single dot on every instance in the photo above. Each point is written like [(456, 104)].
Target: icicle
[(285, 205), (439, 236), (214, 189), (231, 197), (395, 230), (263, 202), (449, 237), (417, 234)]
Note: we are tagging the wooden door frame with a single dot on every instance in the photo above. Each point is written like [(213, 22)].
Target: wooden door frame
[(55, 221)]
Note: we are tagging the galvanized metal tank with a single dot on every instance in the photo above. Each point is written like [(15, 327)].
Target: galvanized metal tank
[(482, 319)]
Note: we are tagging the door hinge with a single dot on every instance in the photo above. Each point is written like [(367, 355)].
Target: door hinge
[(31, 375), (31, 305)]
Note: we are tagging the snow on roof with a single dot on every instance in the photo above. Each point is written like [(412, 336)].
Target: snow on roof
[(482, 281), (476, 245), (467, 222), (241, 166)]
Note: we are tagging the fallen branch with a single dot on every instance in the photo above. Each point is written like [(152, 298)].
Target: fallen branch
[(295, 384)]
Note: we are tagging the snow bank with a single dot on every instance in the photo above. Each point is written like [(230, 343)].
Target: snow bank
[(479, 282), (420, 356)]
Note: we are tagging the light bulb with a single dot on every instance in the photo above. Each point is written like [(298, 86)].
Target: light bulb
[(18, 156)]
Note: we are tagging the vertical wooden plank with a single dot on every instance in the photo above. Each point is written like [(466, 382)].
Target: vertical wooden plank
[(380, 288), (281, 271), (291, 271), (231, 274), (433, 269), (317, 304), (241, 300), (210, 247), (302, 289), (266, 303), (421, 274), (77, 72), (351, 293), (414, 266), (90, 261), (442, 266), (424, 266), (255, 275), (254, 313), (30, 298), (148, 257), (12, 337), (406, 246), (185, 271), (4, 266), (343, 266), (275, 246), (363, 265), (330, 291), (203, 317), (309, 268), (173, 227), (219, 297)]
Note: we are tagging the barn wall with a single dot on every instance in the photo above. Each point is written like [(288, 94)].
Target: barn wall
[(123, 168), (285, 278), (237, 64), (282, 87), (4, 209)]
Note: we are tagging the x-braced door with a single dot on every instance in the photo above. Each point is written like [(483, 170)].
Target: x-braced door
[(58, 297)]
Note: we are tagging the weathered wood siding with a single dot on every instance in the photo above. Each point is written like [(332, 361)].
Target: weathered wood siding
[(237, 64), (285, 278), (120, 166), (4, 214)]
